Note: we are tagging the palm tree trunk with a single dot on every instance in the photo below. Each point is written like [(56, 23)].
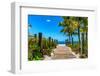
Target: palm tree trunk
[(72, 41), (69, 38), (86, 50), (82, 43), (79, 37), (86, 37)]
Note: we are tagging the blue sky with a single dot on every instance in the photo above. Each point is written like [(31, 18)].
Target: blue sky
[(48, 25)]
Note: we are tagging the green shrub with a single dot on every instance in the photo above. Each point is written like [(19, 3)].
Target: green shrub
[(39, 46)]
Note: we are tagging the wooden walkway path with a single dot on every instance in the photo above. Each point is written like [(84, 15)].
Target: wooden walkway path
[(63, 52)]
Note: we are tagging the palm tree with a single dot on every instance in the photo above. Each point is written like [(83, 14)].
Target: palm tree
[(85, 28), (82, 29), (69, 25)]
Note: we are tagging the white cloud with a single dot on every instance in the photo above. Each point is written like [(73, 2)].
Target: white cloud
[(48, 20)]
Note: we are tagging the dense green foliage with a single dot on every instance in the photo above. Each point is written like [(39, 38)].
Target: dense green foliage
[(39, 46)]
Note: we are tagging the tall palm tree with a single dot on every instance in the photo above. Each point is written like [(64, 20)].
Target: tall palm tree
[(85, 28), (82, 28), (84, 31), (69, 26)]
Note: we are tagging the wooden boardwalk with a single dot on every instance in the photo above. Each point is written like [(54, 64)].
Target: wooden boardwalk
[(62, 52)]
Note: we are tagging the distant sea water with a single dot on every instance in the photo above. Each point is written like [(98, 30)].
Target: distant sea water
[(61, 43)]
